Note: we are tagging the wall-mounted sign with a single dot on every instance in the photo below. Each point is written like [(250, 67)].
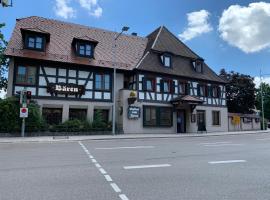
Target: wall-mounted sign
[(134, 112), (66, 88)]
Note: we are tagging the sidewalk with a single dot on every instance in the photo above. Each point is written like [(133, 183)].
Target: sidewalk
[(124, 136)]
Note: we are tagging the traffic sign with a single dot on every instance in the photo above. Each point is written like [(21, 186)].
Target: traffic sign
[(23, 112)]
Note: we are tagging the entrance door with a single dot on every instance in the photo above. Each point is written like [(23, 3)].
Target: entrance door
[(181, 121), (201, 120)]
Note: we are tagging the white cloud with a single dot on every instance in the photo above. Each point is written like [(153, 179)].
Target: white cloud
[(92, 7), (257, 81), (247, 28), (62, 9), (197, 25)]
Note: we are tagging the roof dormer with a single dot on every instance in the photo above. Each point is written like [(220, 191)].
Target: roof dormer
[(198, 65), (35, 38), (166, 60), (84, 46)]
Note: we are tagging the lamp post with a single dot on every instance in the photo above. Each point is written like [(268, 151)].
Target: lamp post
[(262, 100), (125, 28)]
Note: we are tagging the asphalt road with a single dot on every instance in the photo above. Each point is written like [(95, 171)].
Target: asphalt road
[(233, 167)]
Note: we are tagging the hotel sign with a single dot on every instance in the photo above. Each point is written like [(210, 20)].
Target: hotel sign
[(66, 88), (134, 112)]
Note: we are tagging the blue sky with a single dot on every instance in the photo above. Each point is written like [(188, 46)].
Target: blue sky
[(223, 39)]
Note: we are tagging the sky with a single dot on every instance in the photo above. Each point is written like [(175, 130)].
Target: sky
[(234, 35)]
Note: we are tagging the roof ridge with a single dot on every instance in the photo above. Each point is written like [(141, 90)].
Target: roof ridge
[(80, 25), (155, 41)]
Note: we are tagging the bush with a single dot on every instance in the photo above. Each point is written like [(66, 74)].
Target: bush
[(10, 121), (98, 121)]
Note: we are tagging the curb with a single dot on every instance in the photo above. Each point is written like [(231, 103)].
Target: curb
[(70, 139)]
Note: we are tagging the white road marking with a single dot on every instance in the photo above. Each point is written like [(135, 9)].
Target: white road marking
[(261, 139), (108, 178), (226, 161), (98, 165), (209, 143), (123, 197), (222, 145), (135, 147), (102, 171), (146, 166), (115, 187)]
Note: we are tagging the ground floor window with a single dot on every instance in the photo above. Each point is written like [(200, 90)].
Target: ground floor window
[(216, 118), (77, 113), (157, 116), (52, 115), (102, 113)]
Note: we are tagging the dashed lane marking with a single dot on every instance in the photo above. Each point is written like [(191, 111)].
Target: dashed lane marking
[(227, 161), (134, 147), (146, 166), (103, 172)]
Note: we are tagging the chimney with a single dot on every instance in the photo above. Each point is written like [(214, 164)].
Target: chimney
[(134, 34)]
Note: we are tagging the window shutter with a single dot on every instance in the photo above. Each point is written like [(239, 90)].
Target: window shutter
[(143, 84), (186, 88), (172, 86), (206, 90), (218, 92), (210, 91), (161, 86), (198, 90), (154, 84)]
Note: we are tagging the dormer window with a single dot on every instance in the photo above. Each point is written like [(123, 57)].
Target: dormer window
[(84, 46), (34, 42), (198, 65), (35, 38), (84, 50), (166, 60)]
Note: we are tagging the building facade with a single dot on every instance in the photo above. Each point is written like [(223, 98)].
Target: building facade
[(162, 86)]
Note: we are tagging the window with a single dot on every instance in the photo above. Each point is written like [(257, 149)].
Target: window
[(166, 60), (215, 91), (216, 118), (166, 86), (76, 113), (199, 66), (26, 75), (34, 42), (101, 114), (201, 90), (102, 81), (200, 117), (149, 84), (84, 49), (157, 116), (52, 115), (182, 88)]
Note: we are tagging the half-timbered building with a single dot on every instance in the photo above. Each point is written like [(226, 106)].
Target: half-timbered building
[(162, 86)]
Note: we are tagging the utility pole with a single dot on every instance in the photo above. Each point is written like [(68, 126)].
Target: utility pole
[(125, 28), (262, 99)]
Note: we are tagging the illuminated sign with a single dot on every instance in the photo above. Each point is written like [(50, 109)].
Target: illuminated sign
[(63, 88)]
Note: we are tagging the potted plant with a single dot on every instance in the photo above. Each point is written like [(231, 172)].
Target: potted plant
[(132, 97)]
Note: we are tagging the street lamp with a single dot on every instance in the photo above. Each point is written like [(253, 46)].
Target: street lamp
[(125, 28), (261, 75)]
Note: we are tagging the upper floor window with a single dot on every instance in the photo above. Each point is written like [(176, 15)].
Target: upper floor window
[(149, 84), (26, 75), (182, 88), (35, 42), (166, 60), (84, 50), (102, 81), (198, 66), (201, 90), (216, 91)]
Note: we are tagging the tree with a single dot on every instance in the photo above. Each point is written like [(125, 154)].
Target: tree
[(266, 99), (3, 60), (240, 92)]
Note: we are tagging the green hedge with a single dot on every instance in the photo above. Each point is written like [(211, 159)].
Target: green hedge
[(10, 121)]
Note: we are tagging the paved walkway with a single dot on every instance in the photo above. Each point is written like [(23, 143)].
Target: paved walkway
[(123, 136)]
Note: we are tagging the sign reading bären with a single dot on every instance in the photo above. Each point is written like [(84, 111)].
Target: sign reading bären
[(64, 88)]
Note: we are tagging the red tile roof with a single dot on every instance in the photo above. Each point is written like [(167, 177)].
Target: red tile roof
[(129, 48)]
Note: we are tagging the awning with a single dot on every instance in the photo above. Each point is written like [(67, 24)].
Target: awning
[(187, 99)]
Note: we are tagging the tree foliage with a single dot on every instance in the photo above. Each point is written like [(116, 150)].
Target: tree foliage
[(266, 99), (3, 60), (240, 92)]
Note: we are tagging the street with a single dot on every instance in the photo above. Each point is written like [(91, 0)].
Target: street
[(229, 167)]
